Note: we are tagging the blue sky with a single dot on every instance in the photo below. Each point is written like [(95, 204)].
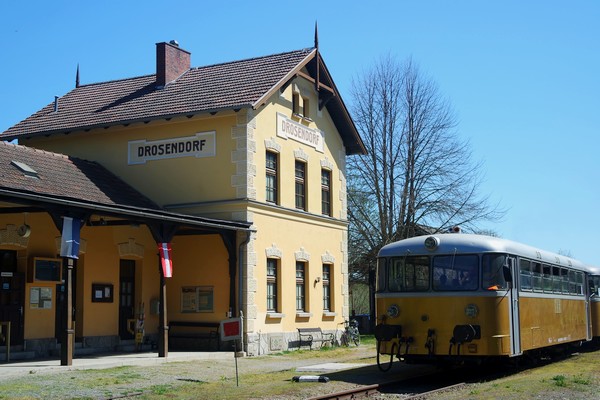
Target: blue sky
[(523, 77)]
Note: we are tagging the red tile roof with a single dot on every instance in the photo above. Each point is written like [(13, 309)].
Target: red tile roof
[(233, 85), (63, 177)]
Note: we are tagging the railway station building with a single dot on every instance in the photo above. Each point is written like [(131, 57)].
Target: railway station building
[(194, 194)]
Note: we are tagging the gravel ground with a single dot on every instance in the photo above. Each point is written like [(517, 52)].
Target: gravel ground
[(270, 377), (64, 383)]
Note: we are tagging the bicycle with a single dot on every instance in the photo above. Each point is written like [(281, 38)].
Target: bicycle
[(350, 333)]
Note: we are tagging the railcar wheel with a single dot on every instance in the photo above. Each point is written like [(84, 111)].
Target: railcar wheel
[(385, 367)]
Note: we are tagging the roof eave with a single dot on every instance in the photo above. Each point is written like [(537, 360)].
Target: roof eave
[(123, 210), (68, 130)]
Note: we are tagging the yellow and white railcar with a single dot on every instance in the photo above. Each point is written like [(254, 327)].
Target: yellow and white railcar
[(460, 296)]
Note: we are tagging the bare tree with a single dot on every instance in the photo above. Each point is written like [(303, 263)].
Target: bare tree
[(418, 175)]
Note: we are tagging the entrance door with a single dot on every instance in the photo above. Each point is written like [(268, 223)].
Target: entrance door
[(126, 297), (513, 298), (12, 297)]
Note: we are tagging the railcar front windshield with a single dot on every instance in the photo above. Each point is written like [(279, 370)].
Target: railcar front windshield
[(408, 274), (442, 273), (414, 273), (456, 272)]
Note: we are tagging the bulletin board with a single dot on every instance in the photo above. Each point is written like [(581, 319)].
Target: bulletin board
[(40, 298)]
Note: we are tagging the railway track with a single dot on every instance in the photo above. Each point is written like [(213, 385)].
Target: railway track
[(417, 386), (376, 390)]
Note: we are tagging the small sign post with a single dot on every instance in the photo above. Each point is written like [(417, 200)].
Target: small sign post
[(231, 329)]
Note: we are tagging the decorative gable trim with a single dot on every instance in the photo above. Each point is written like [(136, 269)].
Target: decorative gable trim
[(131, 249), (327, 164), (272, 145), (301, 155), (273, 251), (327, 258), (10, 237), (302, 255)]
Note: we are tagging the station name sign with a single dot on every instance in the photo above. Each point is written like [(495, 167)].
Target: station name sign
[(202, 144), (290, 129)]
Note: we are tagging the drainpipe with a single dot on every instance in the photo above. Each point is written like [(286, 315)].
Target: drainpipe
[(241, 281)]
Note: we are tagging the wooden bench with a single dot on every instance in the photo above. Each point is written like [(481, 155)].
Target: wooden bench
[(308, 336), (189, 330)]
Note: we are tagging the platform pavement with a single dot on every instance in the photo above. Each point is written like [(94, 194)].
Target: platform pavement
[(101, 361)]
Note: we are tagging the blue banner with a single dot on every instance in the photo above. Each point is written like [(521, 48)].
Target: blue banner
[(69, 244)]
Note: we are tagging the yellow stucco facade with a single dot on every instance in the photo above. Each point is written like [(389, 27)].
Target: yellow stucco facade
[(227, 181)]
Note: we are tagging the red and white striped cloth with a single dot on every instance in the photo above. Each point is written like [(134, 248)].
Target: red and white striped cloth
[(164, 250)]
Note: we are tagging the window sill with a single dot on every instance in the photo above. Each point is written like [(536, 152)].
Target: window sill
[(302, 314), (275, 315), (329, 314)]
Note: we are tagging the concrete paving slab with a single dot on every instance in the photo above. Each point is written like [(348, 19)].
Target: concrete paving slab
[(329, 367), (106, 361)]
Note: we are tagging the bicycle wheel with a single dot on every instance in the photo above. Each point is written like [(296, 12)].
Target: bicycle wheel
[(344, 340), (356, 338)]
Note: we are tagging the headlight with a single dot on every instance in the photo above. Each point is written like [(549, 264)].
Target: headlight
[(393, 311)]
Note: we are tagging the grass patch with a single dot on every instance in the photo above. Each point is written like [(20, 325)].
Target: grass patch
[(161, 390), (560, 380), (577, 377), (580, 380)]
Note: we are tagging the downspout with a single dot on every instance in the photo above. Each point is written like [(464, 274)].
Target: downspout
[(241, 282)]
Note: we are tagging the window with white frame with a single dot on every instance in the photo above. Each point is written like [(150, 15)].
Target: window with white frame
[(300, 286), (272, 177), (272, 289), (300, 178), (327, 306), (326, 192)]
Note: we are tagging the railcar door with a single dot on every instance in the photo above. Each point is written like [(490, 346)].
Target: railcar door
[(588, 290), (513, 301)]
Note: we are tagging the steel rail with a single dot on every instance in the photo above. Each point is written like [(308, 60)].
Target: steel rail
[(366, 391), (363, 391)]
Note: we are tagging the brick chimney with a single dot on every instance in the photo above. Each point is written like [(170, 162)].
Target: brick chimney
[(171, 62)]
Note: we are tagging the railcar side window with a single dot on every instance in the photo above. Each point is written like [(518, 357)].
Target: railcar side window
[(547, 278), (525, 272), (596, 283), (459, 272), (551, 278), (556, 280), (536, 273), (409, 274), (564, 280), (579, 283), (573, 278), (491, 270)]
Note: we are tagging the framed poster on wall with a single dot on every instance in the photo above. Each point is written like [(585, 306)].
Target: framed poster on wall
[(102, 292), (197, 299), (40, 298)]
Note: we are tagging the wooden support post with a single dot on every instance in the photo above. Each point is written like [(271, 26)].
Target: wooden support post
[(163, 327), (66, 345)]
